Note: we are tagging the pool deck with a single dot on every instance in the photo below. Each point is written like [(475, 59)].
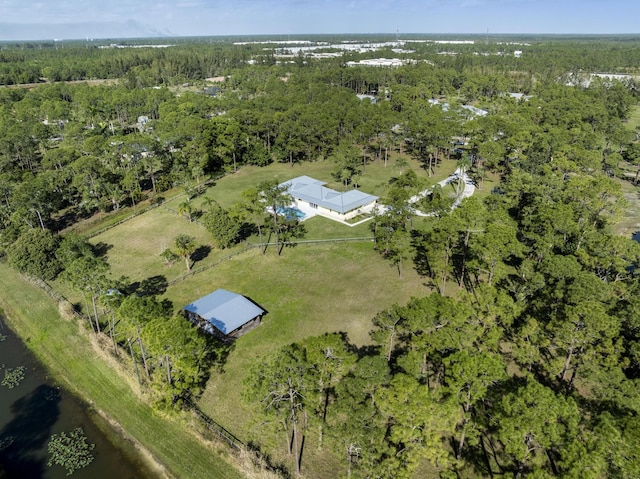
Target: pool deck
[(310, 213)]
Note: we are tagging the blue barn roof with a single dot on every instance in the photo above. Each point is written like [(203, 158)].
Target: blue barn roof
[(225, 310)]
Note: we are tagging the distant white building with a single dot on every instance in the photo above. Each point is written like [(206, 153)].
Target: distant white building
[(378, 62), (362, 96), (613, 76), (520, 96), (469, 110), (454, 42), (142, 122)]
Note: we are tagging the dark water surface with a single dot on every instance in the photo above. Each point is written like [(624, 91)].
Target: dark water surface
[(31, 412)]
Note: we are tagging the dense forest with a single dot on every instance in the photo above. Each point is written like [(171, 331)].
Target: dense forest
[(524, 357)]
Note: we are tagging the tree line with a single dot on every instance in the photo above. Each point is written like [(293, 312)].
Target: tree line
[(189, 60)]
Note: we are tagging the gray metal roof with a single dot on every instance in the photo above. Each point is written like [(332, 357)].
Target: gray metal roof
[(313, 191), (225, 310)]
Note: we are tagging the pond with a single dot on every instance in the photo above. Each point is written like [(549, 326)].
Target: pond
[(35, 409)]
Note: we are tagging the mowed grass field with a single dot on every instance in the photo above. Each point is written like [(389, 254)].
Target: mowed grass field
[(228, 190), (308, 291), (634, 118), (133, 247), (311, 289)]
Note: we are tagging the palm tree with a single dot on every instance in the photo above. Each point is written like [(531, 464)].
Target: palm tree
[(432, 153), (275, 198), (401, 163), (254, 208), (185, 247), (209, 203), (186, 209)]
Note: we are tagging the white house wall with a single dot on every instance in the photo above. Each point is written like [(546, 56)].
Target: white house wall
[(306, 208)]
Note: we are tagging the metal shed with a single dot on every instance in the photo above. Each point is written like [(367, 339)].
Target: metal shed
[(225, 314)]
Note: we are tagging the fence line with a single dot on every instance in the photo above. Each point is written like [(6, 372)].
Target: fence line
[(206, 184), (364, 239), (135, 215), (123, 220), (219, 430), (209, 266), (250, 246), (57, 296), (213, 426)]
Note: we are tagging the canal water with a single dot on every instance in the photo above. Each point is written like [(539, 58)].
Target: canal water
[(35, 409)]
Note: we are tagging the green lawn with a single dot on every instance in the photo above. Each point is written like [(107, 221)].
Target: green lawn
[(634, 118), (134, 247), (100, 221), (308, 290), (71, 359), (228, 190)]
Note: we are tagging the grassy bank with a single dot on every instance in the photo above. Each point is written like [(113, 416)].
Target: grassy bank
[(71, 359)]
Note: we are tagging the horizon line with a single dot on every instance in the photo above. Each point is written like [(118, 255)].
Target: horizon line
[(391, 34)]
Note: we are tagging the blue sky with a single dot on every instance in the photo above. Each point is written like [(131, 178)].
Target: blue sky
[(244, 17)]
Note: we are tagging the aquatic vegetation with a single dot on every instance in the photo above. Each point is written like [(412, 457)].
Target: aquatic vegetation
[(13, 376), (71, 451), (5, 442)]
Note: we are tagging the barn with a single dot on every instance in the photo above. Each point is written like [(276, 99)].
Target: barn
[(225, 314)]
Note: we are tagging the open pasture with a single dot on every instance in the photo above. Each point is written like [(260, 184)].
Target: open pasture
[(133, 248), (311, 289)]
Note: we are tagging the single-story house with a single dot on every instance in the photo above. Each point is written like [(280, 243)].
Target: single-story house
[(311, 195), (224, 314)]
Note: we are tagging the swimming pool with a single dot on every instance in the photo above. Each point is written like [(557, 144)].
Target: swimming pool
[(291, 213)]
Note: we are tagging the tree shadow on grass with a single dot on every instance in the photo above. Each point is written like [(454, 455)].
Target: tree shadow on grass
[(220, 353), (201, 253), (153, 286), (27, 433), (196, 214), (101, 249)]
